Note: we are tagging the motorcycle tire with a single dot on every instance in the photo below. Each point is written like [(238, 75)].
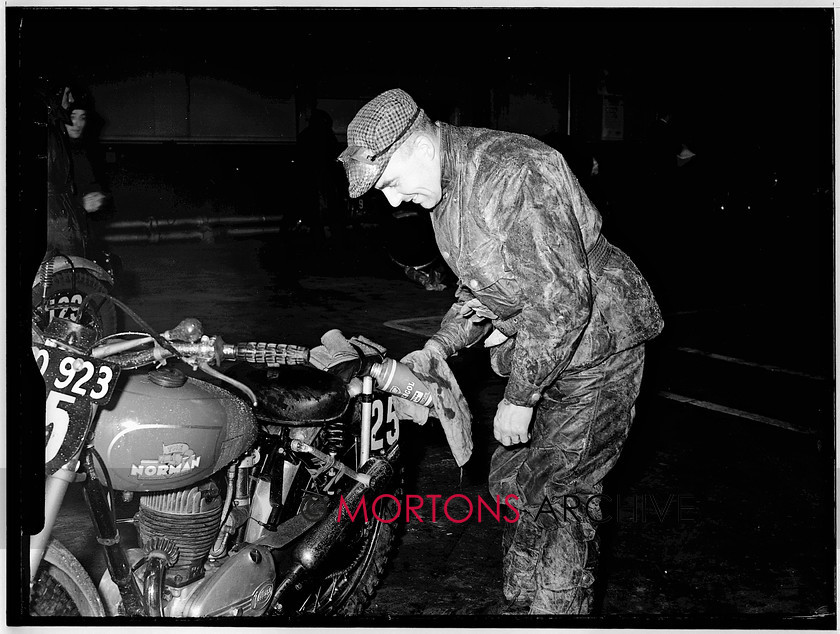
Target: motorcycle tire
[(351, 578), (62, 586), (62, 294)]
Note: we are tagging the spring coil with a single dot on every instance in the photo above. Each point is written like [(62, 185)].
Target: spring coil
[(46, 279), (335, 436)]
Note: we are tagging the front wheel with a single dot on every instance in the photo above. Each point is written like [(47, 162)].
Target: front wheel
[(62, 586), (65, 294)]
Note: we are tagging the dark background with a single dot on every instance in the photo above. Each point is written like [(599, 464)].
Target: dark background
[(734, 77), (200, 110)]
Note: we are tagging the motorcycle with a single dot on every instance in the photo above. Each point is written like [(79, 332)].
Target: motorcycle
[(249, 481), (62, 284)]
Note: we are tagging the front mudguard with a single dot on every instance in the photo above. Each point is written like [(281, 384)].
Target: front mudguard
[(63, 262)]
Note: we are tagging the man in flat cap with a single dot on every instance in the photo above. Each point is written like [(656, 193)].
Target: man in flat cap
[(565, 313)]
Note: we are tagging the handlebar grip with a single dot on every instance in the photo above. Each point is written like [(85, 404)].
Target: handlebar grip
[(272, 353)]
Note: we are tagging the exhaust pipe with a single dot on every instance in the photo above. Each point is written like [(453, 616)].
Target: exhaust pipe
[(318, 543), (160, 555), (153, 582)]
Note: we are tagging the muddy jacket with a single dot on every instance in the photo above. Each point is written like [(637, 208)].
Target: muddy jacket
[(523, 238)]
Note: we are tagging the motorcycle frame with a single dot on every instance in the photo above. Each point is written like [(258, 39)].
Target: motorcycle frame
[(108, 535)]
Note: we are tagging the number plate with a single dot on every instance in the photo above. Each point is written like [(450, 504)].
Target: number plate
[(74, 384), (65, 306), (384, 424)]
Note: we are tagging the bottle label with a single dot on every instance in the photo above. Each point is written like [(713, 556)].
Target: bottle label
[(398, 379)]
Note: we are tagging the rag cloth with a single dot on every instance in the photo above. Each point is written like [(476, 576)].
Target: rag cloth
[(448, 402)]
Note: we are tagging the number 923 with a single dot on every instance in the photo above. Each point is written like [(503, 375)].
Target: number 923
[(74, 376)]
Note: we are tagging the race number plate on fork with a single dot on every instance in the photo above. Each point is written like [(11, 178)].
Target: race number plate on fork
[(74, 384), (65, 306), (384, 424)]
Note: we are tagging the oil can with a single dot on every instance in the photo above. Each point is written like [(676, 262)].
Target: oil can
[(396, 378)]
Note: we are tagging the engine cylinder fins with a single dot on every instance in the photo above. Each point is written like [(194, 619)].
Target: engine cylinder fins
[(201, 498), (189, 520), (163, 547), (194, 535)]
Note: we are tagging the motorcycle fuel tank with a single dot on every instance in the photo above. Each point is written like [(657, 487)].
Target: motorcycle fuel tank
[(163, 431)]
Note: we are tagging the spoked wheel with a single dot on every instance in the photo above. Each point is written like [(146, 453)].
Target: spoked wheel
[(355, 570), (62, 587)]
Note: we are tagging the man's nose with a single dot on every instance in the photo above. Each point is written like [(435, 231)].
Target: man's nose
[(394, 199)]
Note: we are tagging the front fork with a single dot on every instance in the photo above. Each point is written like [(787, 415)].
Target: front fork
[(109, 537), (103, 519), (367, 404), (54, 492)]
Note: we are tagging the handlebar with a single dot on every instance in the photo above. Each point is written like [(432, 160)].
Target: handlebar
[(268, 353), (271, 354), (187, 342)]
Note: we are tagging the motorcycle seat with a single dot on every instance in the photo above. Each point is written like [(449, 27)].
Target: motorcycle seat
[(294, 395)]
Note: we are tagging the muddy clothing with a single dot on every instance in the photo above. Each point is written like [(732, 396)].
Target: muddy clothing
[(579, 429), (524, 239)]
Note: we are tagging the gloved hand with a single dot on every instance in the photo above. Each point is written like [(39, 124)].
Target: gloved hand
[(510, 426), (495, 338), (475, 311), (408, 410)]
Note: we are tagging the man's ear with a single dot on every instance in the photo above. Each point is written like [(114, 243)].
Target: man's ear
[(423, 143)]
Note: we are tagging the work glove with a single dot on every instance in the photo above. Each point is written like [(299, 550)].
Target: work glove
[(475, 311), (495, 338)]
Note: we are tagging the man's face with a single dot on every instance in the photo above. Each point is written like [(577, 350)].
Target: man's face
[(78, 119), (412, 175)]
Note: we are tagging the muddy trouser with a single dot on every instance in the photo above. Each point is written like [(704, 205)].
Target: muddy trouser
[(581, 423)]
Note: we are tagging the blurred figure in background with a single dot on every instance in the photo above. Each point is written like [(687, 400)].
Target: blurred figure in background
[(319, 175), (75, 186)]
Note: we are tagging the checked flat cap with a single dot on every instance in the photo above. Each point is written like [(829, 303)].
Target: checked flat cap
[(373, 136)]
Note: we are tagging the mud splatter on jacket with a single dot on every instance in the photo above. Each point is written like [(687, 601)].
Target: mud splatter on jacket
[(523, 238)]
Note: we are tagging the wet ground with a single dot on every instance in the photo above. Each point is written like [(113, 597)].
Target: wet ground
[(724, 495)]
